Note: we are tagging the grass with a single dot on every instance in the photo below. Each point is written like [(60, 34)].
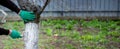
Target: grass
[(70, 34)]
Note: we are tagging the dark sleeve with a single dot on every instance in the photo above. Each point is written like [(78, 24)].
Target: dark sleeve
[(9, 4), (4, 31)]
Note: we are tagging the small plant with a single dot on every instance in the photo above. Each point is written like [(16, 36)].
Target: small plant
[(58, 26), (49, 32), (69, 27), (75, 35), (114, 34), (69, 46), (87, 37)]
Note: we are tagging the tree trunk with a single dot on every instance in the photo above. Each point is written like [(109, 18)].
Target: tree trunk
[(32, 28), (31, 35)]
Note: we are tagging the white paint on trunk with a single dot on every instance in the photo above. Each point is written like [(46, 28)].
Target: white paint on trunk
[(31, 35)]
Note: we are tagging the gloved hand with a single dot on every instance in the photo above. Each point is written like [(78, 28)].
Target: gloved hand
[(27, 16), (15, 34)]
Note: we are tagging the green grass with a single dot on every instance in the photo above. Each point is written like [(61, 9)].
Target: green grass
[(70, 34)]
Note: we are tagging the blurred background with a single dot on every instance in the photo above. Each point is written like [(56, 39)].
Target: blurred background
[(71, 24), (78, 9)]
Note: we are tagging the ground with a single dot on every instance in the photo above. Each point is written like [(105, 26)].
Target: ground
[(69, 34)]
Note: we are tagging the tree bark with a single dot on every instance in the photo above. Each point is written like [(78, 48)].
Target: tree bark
[(32, 28)]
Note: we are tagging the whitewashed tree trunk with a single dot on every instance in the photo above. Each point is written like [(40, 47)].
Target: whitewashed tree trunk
[(32, 28), (31, 35)]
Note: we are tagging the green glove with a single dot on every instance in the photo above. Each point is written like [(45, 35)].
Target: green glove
[(15, 34), (27, 16)]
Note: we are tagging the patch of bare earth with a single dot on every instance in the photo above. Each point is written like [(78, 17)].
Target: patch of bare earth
[(2, 37)]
